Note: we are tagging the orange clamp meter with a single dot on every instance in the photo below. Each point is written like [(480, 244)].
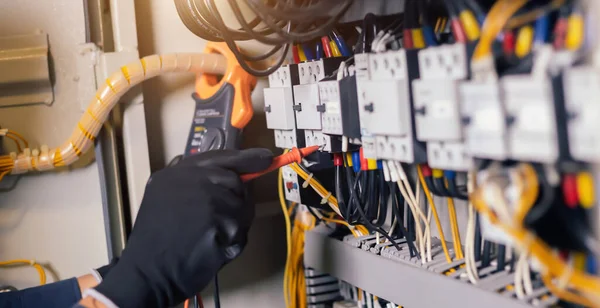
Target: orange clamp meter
[(223, 106)]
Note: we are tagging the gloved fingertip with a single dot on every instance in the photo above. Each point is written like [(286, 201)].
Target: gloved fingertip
[(261, 158)]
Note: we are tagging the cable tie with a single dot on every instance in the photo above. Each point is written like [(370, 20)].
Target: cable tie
[(563, 281), (326, 198), (307, 181)]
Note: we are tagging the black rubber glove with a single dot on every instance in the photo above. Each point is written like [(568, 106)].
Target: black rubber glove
[(194, 219)]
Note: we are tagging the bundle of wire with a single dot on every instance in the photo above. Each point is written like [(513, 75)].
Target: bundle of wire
[(559, 276), (279, 23)]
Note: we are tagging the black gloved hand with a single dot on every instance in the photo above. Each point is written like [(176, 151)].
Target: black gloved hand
[(194, 219)]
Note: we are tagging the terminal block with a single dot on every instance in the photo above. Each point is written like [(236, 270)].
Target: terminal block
[(287, 139), (363, 75), (328, 143)]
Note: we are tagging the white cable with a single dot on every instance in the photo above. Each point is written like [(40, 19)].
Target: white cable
[(420, 237), (344, 144), (416, 205), (519, 277), (527, 276), (470, 247)]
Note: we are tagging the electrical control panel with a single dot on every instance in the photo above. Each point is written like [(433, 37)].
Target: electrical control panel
[(287, 139)]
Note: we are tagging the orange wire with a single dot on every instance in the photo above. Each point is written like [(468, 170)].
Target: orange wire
[(16, 142), (10, 132)]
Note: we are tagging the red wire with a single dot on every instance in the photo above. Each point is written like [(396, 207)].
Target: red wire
[(569, 188), (508, 45), (295, 54), (458, 31), (407, 39), (560, 33), (326, 47)]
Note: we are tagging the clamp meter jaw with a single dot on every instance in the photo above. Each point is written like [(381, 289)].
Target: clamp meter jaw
[(223, 107)]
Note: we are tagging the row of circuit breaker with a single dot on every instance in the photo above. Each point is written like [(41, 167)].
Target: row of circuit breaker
[(417, 106)]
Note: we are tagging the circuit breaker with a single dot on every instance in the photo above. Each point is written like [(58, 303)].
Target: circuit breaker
[(484, 120), (532, 130), (582, 107)]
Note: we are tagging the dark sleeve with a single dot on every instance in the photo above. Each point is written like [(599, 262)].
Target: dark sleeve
[(62, 294)]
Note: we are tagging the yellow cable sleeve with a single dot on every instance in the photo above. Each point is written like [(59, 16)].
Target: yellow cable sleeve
[(437, 173), (334, 49), (524, 41), (418, 39), (575, 32), (372, 164), (301, 53), (31, 263), (349, 159), (435, 214), (470, 24), (585, 190), (106, 98), (494, 23), (288, 227)]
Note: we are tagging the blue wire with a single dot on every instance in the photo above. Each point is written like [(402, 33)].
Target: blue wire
[(356, 161), (308, 52), (380, 164), (341, 44), (449, 174), (542, 26), (590, 265), (429, 36), (319, 51), (480, 20)]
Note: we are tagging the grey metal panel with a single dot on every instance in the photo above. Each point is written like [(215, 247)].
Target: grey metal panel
[(403, 284)]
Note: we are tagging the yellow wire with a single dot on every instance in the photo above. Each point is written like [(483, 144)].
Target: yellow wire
[(575, 32), (19, 148), (288, 236), (494, 23), (455, 232), (32, 263), (552, 263), (12, 132), (566, 295), (341, 222), (470, 24), (418, 39), (435, 213), (533, 15), (585, 190), (335, 51), (524, 41)]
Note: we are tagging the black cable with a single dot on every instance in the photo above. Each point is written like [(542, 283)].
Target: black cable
[(398, 213), (455, 191), (512, 261), (216, 295), (440, 186), (338, 189), (366, 221), (486, 255), (384, 194), (501, 258), (477, 246), (431, 186)]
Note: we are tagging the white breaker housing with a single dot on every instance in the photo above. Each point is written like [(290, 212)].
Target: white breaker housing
[(437, 108)]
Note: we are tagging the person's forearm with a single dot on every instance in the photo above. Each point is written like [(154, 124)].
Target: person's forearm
[(86, 282), (90, 302)]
